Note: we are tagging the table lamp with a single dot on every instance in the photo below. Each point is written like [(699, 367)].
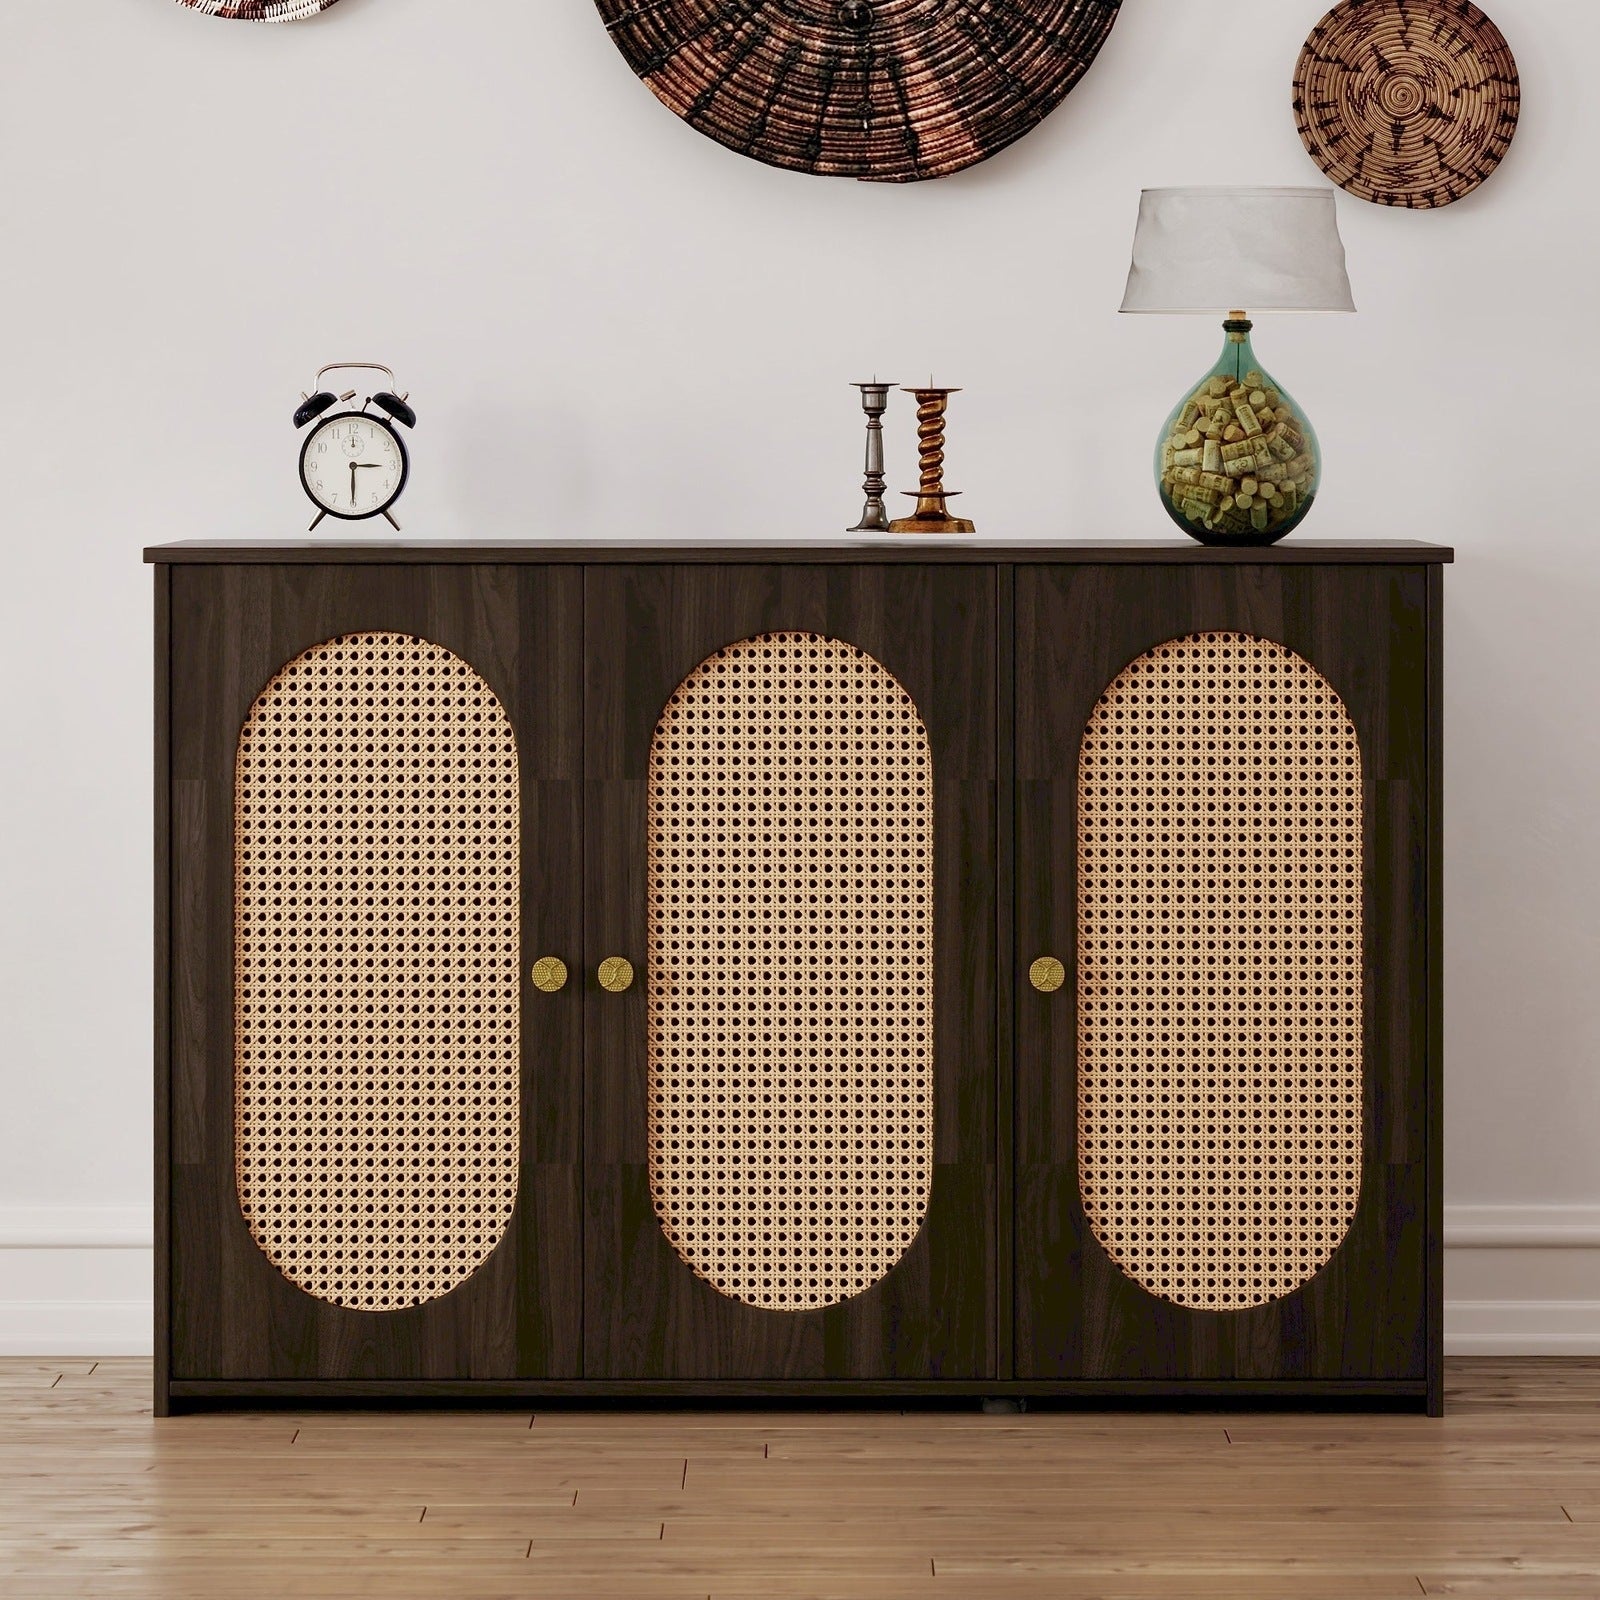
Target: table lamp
[(1237, 462)]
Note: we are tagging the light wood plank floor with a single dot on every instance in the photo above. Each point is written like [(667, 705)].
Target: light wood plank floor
[(96, 1499)]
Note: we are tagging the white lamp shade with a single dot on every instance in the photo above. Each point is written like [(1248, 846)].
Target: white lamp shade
[(1221, 250)]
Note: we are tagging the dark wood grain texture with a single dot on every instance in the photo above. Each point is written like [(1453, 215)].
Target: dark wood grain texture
[(162, 1013), (886, 90), (1006, 972), (1435, 993), (647, 1314), (1005, 650), (1242, 1393), (905, 551), (234, 1314), (1363, 1316)]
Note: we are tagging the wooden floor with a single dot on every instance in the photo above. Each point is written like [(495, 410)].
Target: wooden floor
[(1501, 1498)]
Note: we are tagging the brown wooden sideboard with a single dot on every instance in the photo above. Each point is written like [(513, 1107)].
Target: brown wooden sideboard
[(879, 969)]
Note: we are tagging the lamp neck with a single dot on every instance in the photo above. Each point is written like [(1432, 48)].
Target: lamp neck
[(1238, 357)]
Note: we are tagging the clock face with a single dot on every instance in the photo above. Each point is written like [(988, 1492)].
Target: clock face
[(353, 466)]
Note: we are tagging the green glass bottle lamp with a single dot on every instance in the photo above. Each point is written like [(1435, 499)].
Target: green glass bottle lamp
[(1237, 460)]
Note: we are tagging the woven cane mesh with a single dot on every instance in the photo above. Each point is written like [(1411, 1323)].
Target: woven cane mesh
[(791, 971), (376, 971), (1220, 971)]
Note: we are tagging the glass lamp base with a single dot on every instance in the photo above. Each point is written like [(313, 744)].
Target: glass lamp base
[(1237, 462)]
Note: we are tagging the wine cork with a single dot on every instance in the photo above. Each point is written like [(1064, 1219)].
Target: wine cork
[(1236, 459)]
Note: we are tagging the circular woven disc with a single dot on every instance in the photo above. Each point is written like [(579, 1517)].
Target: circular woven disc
[(1407, 102), (259, 10), (893, 90)]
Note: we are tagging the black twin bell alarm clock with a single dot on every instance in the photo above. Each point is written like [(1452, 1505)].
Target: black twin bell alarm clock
[(354, 464)]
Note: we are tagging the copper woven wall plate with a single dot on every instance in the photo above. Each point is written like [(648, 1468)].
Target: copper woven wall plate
[(1407, 102), (259, 10), (889, 90)]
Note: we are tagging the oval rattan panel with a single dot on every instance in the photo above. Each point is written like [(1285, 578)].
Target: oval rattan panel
[(893, 90), (1220, 971), (259, 10), (791, 971), (376, 1054), (1407, 102)]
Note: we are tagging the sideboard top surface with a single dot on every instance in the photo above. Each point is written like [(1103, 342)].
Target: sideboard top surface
[(1306, 552)]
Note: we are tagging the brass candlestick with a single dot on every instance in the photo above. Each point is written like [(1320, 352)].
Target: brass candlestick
[(874, 401), (932, 514)]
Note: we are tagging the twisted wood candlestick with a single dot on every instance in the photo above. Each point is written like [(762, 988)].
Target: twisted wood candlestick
[(932, 514)]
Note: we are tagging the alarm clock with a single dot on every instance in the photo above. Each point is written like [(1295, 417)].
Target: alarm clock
[(353, 464)]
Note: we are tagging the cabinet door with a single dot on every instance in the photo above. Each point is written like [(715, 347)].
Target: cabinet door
[(1221, 835), (790, 836), (375, 1140)]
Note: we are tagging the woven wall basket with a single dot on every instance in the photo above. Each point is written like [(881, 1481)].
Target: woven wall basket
[(1407, 102), (259, 10), (892, 90)]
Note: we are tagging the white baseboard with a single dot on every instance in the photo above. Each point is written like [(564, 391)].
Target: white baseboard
[(75, 1280), (1519, 1280)]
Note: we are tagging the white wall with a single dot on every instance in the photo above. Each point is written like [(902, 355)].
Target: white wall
[(612, 328)]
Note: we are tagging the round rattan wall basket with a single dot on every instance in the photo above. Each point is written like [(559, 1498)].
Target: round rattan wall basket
[(259, 10), (1407, 102), (888, 90)]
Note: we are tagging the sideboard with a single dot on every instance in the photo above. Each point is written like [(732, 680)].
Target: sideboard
[(889, 969)]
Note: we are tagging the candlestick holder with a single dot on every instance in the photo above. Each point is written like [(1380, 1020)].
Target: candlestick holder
[(874, 401), (932, 514)]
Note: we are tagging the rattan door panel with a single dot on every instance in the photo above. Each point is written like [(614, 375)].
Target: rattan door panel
[(1219, 858), (1131, 1264), (375, 787), (377, 1009), (899, 1286), (790, 977)]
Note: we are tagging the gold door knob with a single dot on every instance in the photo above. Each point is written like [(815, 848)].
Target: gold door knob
[(550, 975), (616, 974), (1047, 975)]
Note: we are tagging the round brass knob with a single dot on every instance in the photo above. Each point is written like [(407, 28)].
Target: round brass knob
[(550, 975), (616, 974), (1047, 975)]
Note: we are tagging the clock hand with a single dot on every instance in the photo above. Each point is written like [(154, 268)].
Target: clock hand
[(352, 485)]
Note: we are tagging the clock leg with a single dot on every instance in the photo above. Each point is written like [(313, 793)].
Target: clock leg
[(316, 524), (392, 523)]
